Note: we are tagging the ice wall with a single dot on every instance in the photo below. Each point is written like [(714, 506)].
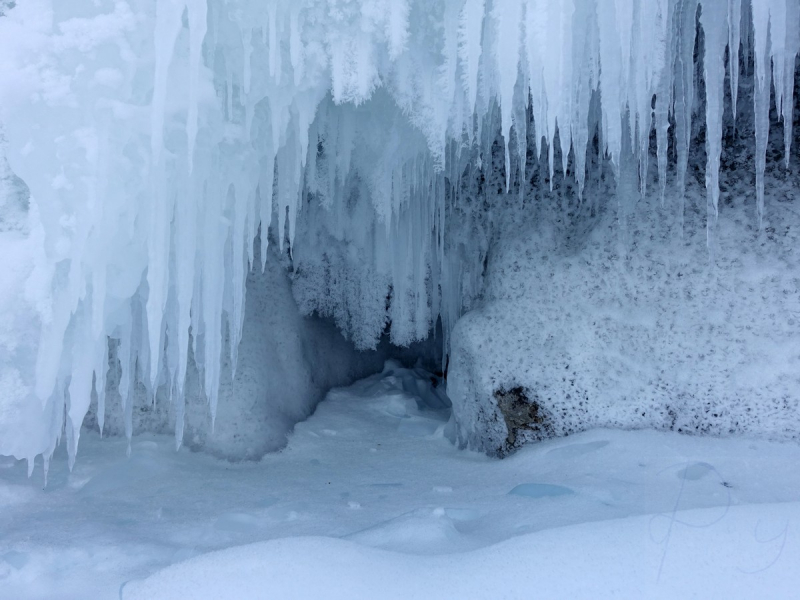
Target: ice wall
[(286, 363), (156, 138)]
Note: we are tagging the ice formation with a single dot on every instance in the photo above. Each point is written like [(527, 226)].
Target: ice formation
[(158, 138)]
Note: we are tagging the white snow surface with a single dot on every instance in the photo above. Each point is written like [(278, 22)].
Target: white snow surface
[(157, 138), (370, 500)]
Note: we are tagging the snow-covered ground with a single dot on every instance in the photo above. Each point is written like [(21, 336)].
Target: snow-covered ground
[(371, 500)]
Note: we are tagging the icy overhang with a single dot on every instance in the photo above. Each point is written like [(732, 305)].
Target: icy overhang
[(158, 138)]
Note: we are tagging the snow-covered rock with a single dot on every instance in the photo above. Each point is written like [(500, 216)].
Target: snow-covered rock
[(632, 321)]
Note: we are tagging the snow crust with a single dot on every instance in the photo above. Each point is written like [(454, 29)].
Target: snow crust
[(370, 499), (157, 139)]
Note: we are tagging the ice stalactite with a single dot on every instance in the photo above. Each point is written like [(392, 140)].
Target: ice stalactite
[(761, 97), (734, 40), (714, 76), (158, 139), (789, 57)]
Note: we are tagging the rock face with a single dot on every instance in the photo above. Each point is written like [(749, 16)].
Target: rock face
[(524, 417)]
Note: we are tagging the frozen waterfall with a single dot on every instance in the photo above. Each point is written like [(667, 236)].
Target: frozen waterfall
[(157, 139)]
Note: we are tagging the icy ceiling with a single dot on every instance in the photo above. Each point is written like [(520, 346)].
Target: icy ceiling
[(157, 138)]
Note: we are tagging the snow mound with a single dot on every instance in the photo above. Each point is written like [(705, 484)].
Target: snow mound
[(628, 558)]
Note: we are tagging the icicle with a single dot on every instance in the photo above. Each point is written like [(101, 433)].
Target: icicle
[(508, 14), (216, 198), (447, 86), (663, 104), (713, 21), (168, 25), (274, 43), (746, 32), (127, 381), (585, 49), (558, 80), (791, 51), (761, 98), (470, 47), (185, 244), (777, 38), (239, 271), (101, 412), (611, 81), (296, 45), (197, 13), (247, 42), (684, 90), (80, 387), (265, 196), (520, 116), (734, 33), (180, 415), (649, 46)]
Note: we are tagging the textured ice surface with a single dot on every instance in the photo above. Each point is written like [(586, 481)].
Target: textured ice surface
[(381, 140), (286, 362)]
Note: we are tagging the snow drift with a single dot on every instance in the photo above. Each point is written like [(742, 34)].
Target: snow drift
[(157, 139), (613, 553)]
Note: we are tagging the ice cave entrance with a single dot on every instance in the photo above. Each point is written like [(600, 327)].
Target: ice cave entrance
[(247, 229), (557, 185)]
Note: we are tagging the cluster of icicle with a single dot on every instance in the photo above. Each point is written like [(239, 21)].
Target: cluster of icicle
[(158, 137)]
